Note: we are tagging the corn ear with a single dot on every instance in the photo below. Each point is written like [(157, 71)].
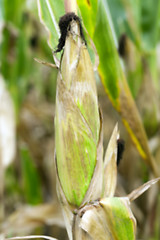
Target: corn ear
[(77, 121)]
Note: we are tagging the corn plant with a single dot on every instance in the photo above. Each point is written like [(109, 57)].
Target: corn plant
[(85, 48), (85, 183)]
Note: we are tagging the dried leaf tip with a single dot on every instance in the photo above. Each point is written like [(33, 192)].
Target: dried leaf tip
[(64, 25)]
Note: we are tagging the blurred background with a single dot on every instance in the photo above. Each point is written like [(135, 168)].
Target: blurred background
[(28, 200)]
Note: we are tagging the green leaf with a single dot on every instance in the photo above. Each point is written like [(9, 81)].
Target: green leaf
[(31, 181), (125, 15), (89, 16), (16, 62), (109, 67), (133, 63), (113, 79), (106, 51), (12, 11), (150, 20), (49, 13)]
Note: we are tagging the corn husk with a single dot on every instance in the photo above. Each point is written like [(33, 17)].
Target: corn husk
[(85, 184), (77, 121)]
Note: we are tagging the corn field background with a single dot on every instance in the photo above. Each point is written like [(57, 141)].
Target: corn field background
[(129, 61)]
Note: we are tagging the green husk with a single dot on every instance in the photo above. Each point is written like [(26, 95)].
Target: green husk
[(77, 121)]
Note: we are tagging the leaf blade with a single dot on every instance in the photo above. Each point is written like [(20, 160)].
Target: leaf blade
[(115, 84), (49, 14), (110, 165), (139, 191)]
